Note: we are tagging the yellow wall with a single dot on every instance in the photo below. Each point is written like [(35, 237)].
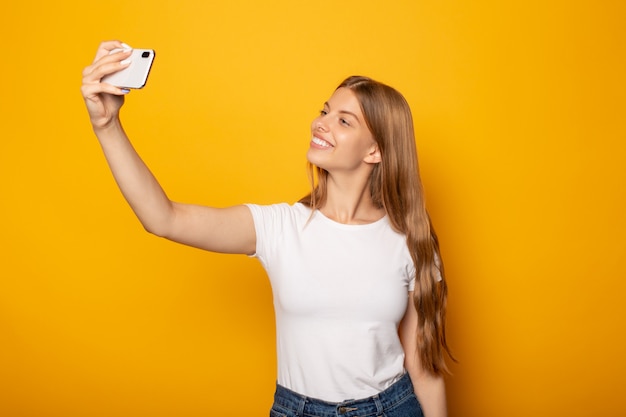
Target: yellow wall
[(519, 107)]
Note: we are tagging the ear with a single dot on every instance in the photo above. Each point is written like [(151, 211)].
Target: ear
[(373, 156)]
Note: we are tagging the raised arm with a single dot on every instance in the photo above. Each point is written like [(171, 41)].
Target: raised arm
[(228, 230)]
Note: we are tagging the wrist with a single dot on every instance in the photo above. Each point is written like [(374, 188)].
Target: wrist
[(110, 127)]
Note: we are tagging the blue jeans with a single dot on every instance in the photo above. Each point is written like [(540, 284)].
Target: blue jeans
[(398, 400)]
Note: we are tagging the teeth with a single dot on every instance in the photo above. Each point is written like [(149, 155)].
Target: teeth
[(321, 142)]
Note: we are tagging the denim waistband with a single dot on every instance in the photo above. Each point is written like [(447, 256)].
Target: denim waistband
[(373, 406)]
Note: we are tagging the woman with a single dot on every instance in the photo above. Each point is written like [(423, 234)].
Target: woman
[(351, 264)]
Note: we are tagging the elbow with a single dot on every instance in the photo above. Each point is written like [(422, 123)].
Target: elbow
[(157, 222), (156, 230)]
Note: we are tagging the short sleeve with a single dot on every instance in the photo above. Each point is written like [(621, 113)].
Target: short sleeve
[(410, 272), (412, 275), (269, 222)]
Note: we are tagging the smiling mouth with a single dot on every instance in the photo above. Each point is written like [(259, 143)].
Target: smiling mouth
[(321, 142)]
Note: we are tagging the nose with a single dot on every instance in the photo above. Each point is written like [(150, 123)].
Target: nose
[(320, 125)]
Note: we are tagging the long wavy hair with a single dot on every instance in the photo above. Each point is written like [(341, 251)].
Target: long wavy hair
[(395, 186)]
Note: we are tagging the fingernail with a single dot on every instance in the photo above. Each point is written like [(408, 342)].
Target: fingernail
[(126, 46), (125, 90), (125, 62)]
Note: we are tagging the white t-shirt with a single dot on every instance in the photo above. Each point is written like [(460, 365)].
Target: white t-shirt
[(340, 292)]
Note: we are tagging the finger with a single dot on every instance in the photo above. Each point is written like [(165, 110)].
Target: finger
[(106, 47), (91, 90), (115, 54), (105, 66)]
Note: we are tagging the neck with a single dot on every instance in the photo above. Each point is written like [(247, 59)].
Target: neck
[(349, 201)]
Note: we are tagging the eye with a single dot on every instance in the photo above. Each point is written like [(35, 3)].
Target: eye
[(323, 112), (344, 122)]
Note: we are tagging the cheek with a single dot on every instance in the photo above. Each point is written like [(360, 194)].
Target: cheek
[(357, 142)]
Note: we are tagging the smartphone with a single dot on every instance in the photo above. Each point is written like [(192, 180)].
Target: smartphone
[(136, 74)]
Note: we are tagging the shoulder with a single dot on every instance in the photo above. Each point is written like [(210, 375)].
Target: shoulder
[(280, 212)]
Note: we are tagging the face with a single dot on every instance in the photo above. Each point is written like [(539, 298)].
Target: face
[(340, 138)]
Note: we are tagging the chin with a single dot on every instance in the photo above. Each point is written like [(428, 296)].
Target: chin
[(315, 159), (310, 157)]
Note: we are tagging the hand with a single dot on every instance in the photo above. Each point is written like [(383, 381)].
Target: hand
[(104, 100)]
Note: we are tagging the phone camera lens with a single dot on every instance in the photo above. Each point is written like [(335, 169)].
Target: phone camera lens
[(145, 54)]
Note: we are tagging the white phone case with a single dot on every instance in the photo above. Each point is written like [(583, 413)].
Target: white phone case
[(136, 74)]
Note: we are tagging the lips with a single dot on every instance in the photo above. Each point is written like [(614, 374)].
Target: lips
[(321, 142)]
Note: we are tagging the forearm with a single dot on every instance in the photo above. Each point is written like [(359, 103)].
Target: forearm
[(139, 187), (430, 389), (431, 392)]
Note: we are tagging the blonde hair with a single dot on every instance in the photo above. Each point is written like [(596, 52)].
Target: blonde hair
[(395, 186)]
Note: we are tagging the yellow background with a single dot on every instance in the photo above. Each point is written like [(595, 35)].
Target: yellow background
[(519, 109)]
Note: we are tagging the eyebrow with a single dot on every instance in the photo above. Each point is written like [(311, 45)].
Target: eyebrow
[(345, 112)]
